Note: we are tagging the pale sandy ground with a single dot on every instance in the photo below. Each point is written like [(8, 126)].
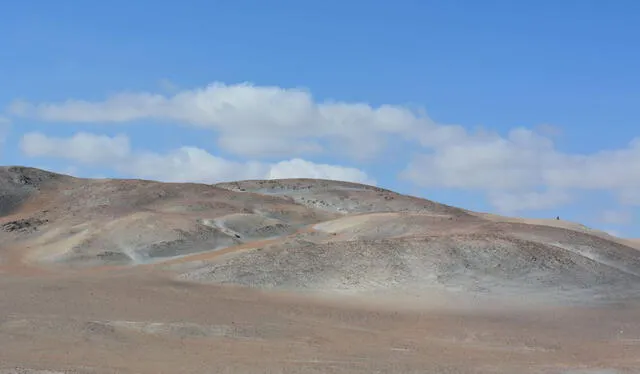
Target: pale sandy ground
[(118, 321)]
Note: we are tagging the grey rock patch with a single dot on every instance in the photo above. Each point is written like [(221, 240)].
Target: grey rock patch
[(24, 225)]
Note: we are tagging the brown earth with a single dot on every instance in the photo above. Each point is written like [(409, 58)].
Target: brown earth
[(300, 276)]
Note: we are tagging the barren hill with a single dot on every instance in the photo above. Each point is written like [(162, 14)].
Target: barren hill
[(132, 276), (300, 234)]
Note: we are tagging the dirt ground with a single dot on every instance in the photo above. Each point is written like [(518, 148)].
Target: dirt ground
[(121, 321)]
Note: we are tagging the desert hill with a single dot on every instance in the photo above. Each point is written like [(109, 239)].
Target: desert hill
[(300, 276), (300, 234)]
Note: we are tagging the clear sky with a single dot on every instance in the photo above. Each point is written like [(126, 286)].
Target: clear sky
[(524, 108)]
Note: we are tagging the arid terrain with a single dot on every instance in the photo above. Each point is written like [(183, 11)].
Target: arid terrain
[(300, 276)]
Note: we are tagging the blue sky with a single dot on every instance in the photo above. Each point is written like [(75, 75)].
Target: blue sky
[(522, 108)]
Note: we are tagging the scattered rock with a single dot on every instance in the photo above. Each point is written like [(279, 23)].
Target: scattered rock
[(27, 225)]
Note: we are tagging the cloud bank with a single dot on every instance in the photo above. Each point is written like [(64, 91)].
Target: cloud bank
[(519, 170), (185, 164)]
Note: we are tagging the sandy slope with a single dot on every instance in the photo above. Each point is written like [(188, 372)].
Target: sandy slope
[(300, 276)]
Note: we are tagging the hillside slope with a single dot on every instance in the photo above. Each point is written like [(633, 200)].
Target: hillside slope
[(319, 236)]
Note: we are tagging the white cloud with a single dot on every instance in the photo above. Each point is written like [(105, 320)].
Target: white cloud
[(487, 161), (185, 164), (305, 169), (287, 123), (190, 164), (510, 168), (482, 162), (82, 147), (283, 119), (268, 146)]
